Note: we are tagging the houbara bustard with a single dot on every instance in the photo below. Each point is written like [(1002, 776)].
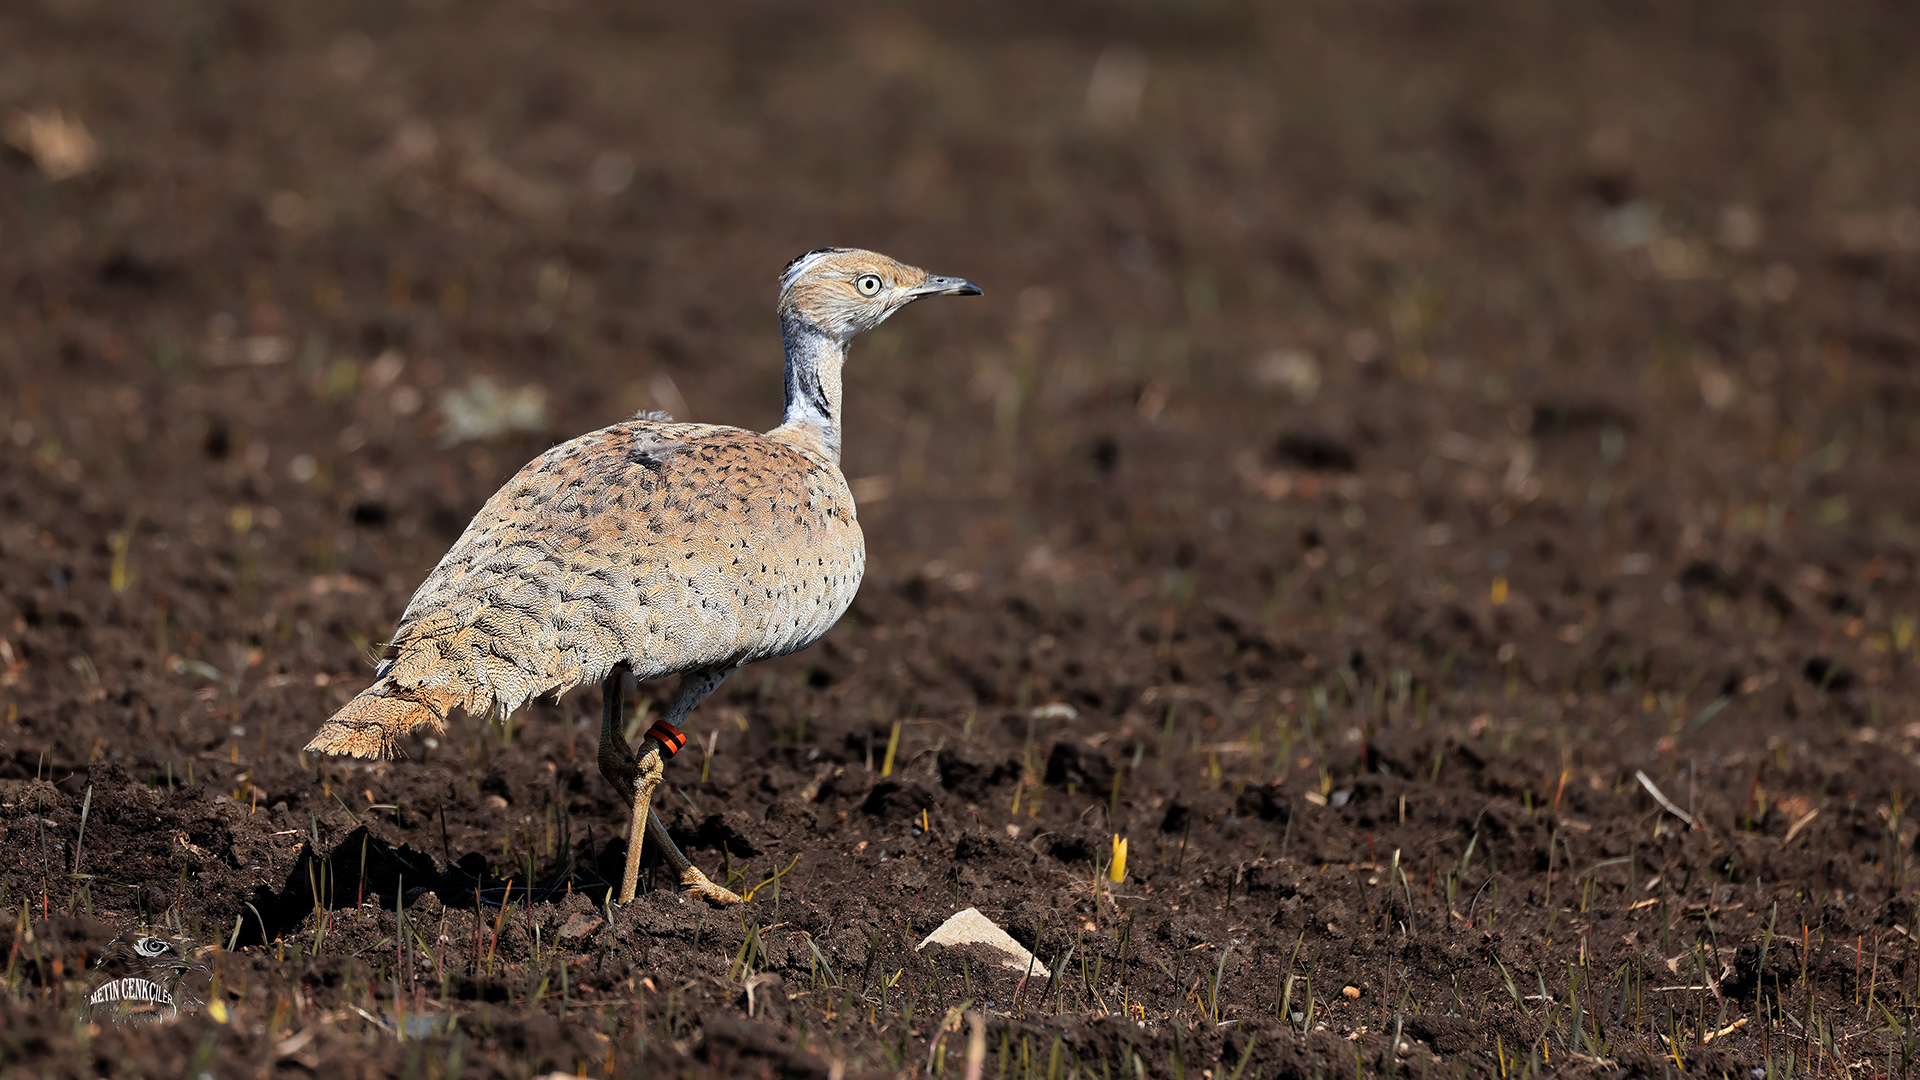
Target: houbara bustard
[(652, 547)]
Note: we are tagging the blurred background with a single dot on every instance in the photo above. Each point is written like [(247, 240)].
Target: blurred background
[(357, 263), (1553, 366)]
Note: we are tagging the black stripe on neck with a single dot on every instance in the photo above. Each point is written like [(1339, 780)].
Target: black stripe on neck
[(803, 342)]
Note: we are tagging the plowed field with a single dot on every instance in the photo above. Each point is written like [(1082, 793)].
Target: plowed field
[(1436, 479)]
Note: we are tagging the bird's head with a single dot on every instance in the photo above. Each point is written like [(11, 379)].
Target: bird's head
[(841, 292)]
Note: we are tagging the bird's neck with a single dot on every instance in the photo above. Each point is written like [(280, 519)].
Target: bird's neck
[(814, 360)]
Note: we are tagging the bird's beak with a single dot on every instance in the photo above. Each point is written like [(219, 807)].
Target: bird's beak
[(946, 286)]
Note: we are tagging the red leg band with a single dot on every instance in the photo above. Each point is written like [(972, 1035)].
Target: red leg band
[(671, 738)]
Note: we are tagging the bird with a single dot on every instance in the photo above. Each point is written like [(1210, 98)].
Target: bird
[(650, 548)]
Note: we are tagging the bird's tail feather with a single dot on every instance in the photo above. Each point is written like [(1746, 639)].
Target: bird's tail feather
[(370, 724)]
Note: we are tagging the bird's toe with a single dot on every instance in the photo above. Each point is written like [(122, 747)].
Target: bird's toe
[(702, 886)]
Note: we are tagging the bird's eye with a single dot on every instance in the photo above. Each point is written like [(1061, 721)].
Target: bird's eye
[(868, 284)]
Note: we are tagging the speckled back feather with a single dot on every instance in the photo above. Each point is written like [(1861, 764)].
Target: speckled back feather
[(669, 546)]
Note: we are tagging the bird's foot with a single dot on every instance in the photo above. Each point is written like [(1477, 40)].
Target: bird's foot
[(700, 885)]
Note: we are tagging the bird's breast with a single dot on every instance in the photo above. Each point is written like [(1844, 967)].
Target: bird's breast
[(753, 572)]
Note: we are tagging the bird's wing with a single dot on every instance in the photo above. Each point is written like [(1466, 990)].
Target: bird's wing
[(619, 545)]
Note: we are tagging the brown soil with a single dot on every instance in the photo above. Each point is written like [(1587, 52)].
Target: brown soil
[(1396, 439)]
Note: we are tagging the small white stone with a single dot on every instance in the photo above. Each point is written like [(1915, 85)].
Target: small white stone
[(969, 927)]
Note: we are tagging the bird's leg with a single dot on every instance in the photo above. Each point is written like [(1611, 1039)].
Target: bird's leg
[(648, 768), (662, 741), (636, 778), (616, 757), (690, 875)]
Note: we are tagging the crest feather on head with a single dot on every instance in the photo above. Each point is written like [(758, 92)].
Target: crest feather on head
[(799, 264)]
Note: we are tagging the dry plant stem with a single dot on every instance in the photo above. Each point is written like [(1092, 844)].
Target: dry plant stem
[(1661, 798)]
